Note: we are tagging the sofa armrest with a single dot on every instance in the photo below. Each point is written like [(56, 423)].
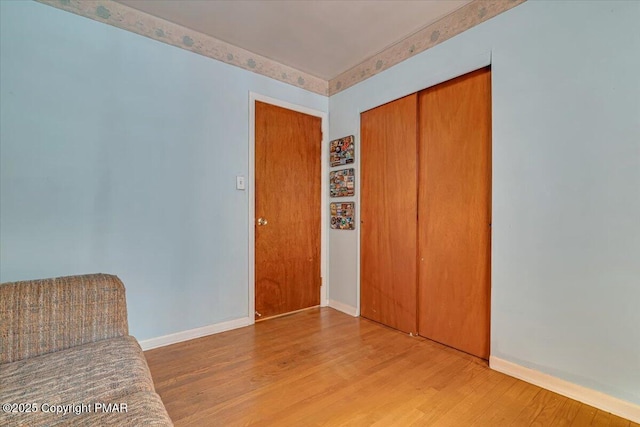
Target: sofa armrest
[(43, 316)]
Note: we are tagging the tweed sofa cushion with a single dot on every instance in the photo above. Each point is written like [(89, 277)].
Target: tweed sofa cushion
[(104, 371), (143, 408), (43, 316)]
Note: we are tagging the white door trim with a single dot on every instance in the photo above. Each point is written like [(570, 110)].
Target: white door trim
[(324, 166)]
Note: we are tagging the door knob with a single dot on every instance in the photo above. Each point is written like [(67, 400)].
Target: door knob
[(262, 221)]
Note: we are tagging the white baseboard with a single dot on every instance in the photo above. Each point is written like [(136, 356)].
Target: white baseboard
[(605, 402), (194, 333), (345, 308)]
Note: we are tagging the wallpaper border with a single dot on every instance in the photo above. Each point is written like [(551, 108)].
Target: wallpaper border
[(456, 22), (130, 19)]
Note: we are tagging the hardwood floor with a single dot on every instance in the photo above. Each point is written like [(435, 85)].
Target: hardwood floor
[(324, 368)]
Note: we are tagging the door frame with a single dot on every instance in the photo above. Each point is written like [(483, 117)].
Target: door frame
[(324, 167)]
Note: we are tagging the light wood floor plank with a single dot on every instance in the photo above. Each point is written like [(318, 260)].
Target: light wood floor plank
[(584, 416), (505, 410), (321, 367), (540, 409), (566, 413)]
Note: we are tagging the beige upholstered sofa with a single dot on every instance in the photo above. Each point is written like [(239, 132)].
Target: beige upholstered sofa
[(66, 357)]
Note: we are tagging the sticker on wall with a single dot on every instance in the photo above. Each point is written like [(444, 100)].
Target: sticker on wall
[(343, 216), (342, 183), (342, 151)]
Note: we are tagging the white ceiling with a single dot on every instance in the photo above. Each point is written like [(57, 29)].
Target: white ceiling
[(320, 37)]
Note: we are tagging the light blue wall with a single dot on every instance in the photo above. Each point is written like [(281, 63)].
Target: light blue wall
[(118, 155), (566, 183)]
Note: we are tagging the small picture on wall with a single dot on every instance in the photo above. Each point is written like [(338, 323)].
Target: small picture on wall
[(342, 183), (342, 151), (343, 216)]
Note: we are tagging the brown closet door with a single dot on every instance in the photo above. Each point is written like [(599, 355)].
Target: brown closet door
[(455, 212), (388, 214)]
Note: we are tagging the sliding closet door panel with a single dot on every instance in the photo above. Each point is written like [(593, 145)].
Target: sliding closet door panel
[(455, 212), (388, 241)]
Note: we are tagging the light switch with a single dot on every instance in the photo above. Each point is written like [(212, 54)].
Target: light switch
[(240, 182)]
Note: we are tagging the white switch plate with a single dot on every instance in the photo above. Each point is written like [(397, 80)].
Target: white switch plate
[(240, 182)]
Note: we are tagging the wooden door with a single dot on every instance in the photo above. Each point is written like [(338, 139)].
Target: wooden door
[(287, 229), (388, 214), (455, 212)]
